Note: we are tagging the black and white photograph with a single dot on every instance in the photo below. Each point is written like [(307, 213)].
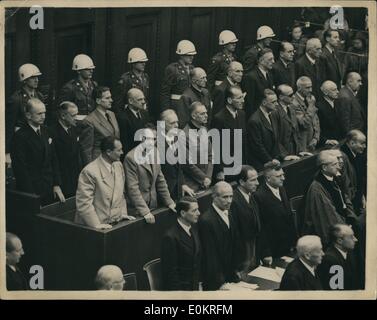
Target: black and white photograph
[(194, 150)]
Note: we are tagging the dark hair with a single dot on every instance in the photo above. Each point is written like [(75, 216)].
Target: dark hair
[(327, 33), (273, 165), (107, 143), (8, 242), (229, 91), (335, 232), (98, 92), (243, 173), (185, 203), (282, 45), (263, 52)]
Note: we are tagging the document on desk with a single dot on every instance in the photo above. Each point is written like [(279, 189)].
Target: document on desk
[(267, 273), (239, 286)]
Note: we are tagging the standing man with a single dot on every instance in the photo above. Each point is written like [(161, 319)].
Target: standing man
[(196, 92), (135, 78), (181, 249), (80, 90), (97, 125), (283, 70), (14, 251), (100, 200), (233, 78), (177, 75), (220, 241), (264, 39), (66, 140), (218, 68), (34, 158)]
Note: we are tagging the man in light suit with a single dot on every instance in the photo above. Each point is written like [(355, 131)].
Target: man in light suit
[(100, 200), (145, 180), (97, 125)]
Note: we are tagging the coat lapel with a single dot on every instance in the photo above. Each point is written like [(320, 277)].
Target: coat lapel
[(264, 120), (103, 123), (106, 175)]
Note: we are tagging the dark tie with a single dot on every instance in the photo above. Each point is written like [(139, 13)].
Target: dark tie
[(109, 119), (38, 132)]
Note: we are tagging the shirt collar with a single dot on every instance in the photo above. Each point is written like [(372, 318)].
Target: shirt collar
[(231, 82), (246, 195), (233, 112), (133, 111), (310, 58), (107, 165), (63, 126), (102, 112), (284, 63), (353, 92), (331, 102), (184, 227), (328, 178), (263, 72), (266, 114), (329, 48), (35, 128), (311, 269), (300, 96), (343, 253), (275, 191)]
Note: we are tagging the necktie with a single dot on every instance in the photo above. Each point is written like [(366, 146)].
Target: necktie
[(38, 132), (108, 119)]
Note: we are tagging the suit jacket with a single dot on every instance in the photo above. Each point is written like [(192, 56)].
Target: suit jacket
[(220, 249), (68, 157), (287, 130), (15, 279), (262, 140), (329, 120), (34, 162), (351, 280), (195, 173), (297, 278), (277, 222), (351, 114), (304, 67), (332, 68), (284, 74), (189, 96), (219, 96), (308, 122), (181, 259), (254, 83), (128, 125), (100, 194), (145, 183), (95, 128)]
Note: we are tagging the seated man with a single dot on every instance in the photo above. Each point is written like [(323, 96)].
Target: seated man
[(145, 181), (14, 251), (220, 240), (181, 249), (100, 199), (276, 216), (326, 203), (341, 253), (301, 272), (109, 277)]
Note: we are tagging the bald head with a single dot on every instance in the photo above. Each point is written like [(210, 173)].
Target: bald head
[(109, 277), (35, 112), (343, 237), (136, 99), (199, 78), (314, 48), (309, 248), (197, 73), (330, 90), (235, 71), (356, 141), (353, 81), (222, 195)]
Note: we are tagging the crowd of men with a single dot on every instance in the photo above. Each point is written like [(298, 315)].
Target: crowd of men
[(288, 105)]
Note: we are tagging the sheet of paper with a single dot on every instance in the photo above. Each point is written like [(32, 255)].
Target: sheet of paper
[(287, 259), (280, 271), (239, 286), (266, 273)]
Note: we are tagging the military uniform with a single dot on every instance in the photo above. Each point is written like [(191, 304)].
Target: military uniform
[(177, 79), (250, 57), (218, 68), (127, 81), (15, 113), (77, 93)]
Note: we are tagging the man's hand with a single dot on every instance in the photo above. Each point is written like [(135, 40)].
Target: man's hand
[(172, 207), (58, 194), (149, 218), (291, 157), (304, 154), (187, 190), (127, 217), (267, 261), (103, 226), (220, 176), (206, 182), (8, 160), (331, 142)]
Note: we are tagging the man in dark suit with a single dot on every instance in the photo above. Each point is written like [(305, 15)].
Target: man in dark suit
[(181, 249), (34, 158), (234, 77), (283, 70), (332, 68), (14, 251), (276, 214), (220, 241), (131, 118), (351, 113), (257, 80), (246, 213), (67, 147), (328, 114), (309, 64), (341, 253), (301, 273), (196, 92), (232, 118)]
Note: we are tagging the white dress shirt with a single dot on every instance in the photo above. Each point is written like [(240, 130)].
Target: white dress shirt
[(246, 195), (186, 228), (223, 214)]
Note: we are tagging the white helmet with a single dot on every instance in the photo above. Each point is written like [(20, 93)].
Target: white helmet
[(82, 61), (28, 70), (185, 47), (227, 36), (137, 55), (264, 32)]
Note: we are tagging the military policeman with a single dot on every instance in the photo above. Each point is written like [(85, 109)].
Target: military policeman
[(15, 118), (217, 70), (79, 90), (177, 75), (264, 38), (135, 78)]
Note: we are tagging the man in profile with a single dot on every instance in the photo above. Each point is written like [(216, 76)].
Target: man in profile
[(110, 277), (14, 251)]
